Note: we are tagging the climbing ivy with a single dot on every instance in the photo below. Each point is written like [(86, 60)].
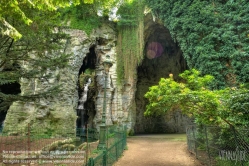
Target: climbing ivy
[(213, 35), (130, 39), (82, 16)]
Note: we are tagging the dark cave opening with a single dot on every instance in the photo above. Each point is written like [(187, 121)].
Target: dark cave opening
[(86, 105), (89, 61), (162, 57), (13, 88)]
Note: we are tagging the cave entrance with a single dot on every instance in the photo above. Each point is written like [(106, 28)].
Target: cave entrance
[(162, 57), (86, 105), (13, 88)]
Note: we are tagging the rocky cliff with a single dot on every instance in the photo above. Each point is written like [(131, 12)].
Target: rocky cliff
[(124, 103), (61, 113)]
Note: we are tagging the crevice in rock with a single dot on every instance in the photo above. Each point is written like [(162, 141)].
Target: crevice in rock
[(89, 61), (86, 90)]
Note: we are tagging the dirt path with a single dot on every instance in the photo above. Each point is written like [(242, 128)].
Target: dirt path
[(157, 150)]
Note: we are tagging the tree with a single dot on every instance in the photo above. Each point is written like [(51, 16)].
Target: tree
[(32, 56), (17, 10), (194, 98)]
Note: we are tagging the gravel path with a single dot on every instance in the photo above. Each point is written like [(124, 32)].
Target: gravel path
[(157, 150)]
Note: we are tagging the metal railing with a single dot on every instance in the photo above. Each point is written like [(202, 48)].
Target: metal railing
[(116, 144), (216, 146)]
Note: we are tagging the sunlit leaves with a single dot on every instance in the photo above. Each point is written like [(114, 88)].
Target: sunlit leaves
[(88, 1), (17, 10), (194, 98)]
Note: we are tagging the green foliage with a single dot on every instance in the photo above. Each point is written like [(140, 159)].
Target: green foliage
[(16, 9), (96, 151), (33, 57), (129, 14), (82, 16), (213, 36), (104, 6), (227, 106), (130, 39), (237, 103), (83, 77)]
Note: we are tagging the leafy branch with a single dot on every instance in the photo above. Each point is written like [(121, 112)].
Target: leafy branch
[(226, 106)]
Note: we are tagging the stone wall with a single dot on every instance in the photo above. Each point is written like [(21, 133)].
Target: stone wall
[(59, 114)]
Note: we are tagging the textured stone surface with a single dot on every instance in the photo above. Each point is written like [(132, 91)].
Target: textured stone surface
[(124, 103), (60, 113), (52, 114)]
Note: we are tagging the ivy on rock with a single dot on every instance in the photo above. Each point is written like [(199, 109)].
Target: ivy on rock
[(213, 36)]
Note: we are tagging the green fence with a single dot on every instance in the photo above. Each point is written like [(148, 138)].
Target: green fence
[(116, 144), (216, 146)]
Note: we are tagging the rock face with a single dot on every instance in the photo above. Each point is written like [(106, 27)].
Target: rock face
[(124, 103), (53, 115), (61, 114)]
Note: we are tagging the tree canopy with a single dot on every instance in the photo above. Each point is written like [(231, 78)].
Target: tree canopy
[(28, 47), (30, 57), (17, 9)]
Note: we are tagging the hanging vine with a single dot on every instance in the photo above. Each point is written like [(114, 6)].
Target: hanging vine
[(130, 39)]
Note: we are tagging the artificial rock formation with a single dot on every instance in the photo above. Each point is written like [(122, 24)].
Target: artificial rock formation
[(125, 103), (60, 114)]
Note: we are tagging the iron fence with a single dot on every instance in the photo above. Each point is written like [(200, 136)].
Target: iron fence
[(116, 144), (216, 146)]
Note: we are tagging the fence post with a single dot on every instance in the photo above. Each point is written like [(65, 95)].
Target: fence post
[(207, 145), (125, 132), (28, 141), (106, 136), (116, 151), (123, 137), (104, 157), (90, 162), (195, 141), (87, 142)]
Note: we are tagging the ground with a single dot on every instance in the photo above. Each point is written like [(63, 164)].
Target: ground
[(157, 150)]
